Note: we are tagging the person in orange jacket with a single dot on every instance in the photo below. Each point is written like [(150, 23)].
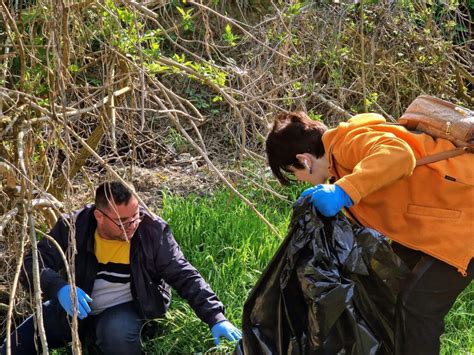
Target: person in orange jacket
[(427, 211)]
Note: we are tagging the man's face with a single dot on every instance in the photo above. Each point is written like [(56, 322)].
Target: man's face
[(118, 222)]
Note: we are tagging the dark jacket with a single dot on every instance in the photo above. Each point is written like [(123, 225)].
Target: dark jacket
[(156, 260)]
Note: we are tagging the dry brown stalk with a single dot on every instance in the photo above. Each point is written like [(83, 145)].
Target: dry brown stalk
[(14, 287), (17, 41), (332, 60)]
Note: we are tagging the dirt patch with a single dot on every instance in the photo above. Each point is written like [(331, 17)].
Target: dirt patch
[(187, 175), (151, 184)]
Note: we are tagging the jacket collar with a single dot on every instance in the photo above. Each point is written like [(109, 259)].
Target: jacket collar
[(91, 226)]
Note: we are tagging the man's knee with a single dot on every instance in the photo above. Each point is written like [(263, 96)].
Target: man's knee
[(121, 332), (118, 331), (119, 340)]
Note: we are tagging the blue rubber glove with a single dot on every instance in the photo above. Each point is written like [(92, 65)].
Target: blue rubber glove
[(227, 330), (328, 199), (64, 298)]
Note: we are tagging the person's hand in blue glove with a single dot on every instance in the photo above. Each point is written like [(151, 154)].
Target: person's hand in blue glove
[(328, 199), (227, 330), (82, 299)]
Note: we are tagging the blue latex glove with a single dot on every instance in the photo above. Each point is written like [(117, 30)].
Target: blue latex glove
[(328, 199), (225, 329), (64, 298)]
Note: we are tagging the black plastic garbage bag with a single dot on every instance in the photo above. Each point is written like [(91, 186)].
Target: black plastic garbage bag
[(330, 289)]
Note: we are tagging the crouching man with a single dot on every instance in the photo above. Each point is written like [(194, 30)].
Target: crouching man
[(125, 260)]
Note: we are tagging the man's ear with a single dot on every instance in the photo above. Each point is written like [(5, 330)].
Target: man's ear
[(97, 214)]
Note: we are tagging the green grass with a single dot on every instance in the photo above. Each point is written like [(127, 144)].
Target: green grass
[(230, 246), (459, 332)]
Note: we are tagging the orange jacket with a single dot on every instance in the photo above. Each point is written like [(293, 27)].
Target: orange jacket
[(430, 208)]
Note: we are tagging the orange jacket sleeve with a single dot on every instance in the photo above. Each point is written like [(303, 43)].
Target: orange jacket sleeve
[(377, 159)]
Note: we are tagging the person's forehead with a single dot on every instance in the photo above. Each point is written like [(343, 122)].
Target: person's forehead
[(125, 210)]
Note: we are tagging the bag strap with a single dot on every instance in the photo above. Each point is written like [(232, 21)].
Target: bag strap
[(438, 156), (442, 156)]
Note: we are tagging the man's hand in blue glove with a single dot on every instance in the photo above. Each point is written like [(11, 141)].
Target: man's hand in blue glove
[(227, 330), (328, 199), (82, 299)]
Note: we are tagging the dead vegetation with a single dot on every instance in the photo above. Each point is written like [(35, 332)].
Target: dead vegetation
[(172, 95)]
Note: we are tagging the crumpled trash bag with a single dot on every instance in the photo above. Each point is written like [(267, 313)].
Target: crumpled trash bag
[(330, 288)]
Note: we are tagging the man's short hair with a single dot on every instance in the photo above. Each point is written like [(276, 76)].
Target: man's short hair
[(112, 191), (293, 133)]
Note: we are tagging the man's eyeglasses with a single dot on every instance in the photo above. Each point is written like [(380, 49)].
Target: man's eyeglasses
[(124, 225)]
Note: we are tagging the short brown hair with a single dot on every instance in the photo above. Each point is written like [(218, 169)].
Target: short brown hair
[(112, 191), (293, 133)]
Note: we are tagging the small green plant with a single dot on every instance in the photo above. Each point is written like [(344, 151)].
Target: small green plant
[(371, 100), (175, 140), (186, 18), (315, 116), (295, 8), (229, 37), (73, 68)]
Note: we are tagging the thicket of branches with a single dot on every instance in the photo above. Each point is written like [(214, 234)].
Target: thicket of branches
[(89, 87)]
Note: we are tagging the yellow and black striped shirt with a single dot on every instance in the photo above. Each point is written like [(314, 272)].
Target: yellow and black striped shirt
[(112, 282)]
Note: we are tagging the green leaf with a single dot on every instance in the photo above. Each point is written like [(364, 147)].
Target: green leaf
[(73, 68)]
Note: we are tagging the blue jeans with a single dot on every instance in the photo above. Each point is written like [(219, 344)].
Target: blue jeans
[(114, 331)]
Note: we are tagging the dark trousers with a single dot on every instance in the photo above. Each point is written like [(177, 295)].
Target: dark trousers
[(114, 331), (427, 294)]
